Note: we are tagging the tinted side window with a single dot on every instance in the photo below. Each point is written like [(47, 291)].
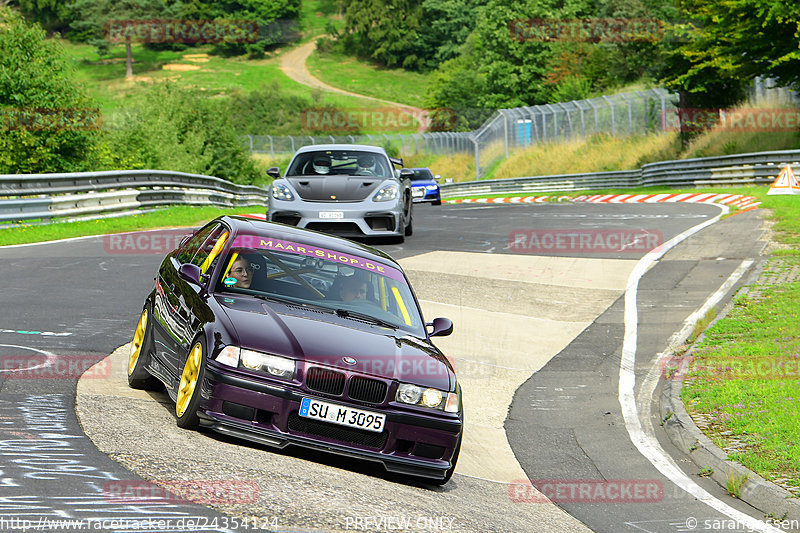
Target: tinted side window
[(194, 243)]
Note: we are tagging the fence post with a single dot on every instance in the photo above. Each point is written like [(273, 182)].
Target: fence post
[(646, 117), (583, 118), (251, 143), (505, 128), (630, 114), (555, 120), (477, 157), (613, 120), (569, 118), (271, 147), (292, 139)]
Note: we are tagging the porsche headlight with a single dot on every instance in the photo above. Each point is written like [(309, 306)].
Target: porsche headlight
[(387, 192), (274, 365), (281, 192), (426, 397)]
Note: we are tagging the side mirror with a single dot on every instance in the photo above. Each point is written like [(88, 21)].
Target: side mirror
[(191, 273), (438, 178), (275, 172), (406, 173), (441, 327)]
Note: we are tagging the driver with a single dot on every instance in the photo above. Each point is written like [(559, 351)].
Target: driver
[(321, 164), (366, 165), (242, 271), (353, 288)]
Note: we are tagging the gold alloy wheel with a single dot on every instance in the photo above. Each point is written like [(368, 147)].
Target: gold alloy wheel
[(136, 345), (191, 371)]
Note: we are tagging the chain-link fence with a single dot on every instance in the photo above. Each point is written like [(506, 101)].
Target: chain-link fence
[(508, 130)]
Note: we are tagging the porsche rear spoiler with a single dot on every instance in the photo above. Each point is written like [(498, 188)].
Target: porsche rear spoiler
[(397, 161)]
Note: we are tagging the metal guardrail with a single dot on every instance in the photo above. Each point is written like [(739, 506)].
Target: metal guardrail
[(44, 196), (740, 169)]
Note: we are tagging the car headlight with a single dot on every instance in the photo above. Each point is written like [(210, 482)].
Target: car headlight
[(431, 187), (427, 397), (274, 365), (387, 192), (281, 192)]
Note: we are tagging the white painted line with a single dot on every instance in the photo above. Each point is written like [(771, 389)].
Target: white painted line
[(47, 362), (646, 442)]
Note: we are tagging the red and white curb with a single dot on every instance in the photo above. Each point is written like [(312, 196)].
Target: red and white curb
[(738, 200)]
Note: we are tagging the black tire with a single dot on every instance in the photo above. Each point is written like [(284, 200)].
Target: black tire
[(141, 352), (449, 474), (409, 229), (437, 202), (188, 400)]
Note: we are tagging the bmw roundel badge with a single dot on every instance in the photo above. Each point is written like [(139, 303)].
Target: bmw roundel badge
[(349, 360)]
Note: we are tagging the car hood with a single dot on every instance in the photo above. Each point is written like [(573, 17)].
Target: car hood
[(335, 188), (323, 338), (423, 183)]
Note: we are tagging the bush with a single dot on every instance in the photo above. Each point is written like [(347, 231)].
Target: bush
[(47, 124), (180, 130)]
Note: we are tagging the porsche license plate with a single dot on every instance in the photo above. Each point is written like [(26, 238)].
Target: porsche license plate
[(342, 415), (331, 214)]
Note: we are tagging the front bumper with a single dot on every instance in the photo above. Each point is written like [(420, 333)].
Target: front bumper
[(260, 411), (420, 194), (366, 218)]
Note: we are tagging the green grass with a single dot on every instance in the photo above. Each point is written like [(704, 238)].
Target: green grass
[(351, 74), (104, 76), (745, 375), (315, 15), (175, 216)]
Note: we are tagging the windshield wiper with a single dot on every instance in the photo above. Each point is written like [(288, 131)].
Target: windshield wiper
[(346, 313)]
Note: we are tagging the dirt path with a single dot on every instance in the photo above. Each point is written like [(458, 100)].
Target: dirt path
[(293, 64)]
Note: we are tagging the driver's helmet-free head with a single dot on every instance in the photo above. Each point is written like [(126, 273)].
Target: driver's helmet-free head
[(367, 162), (322, 164)]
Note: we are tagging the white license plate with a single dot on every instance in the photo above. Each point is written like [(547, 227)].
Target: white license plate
[(417, 193), (331, 214), (342, 415)]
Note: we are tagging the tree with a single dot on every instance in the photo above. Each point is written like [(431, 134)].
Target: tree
[(276, 21), (91, 19), (730, 43), (47, 124)]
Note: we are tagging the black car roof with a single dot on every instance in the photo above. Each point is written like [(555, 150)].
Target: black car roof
[(243, 224)]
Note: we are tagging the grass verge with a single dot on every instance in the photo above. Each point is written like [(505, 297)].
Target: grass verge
[(175, 216), (743, 380)]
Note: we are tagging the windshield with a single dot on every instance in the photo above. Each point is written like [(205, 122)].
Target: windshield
[(340, 162), (299, 273), (422, 174)]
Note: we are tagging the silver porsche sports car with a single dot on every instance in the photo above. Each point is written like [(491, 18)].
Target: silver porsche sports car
[(350, 190)]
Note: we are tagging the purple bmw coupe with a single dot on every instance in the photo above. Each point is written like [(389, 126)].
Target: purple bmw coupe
[(285, 336)]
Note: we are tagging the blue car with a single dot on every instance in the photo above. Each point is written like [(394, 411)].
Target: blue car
[(425, 187)]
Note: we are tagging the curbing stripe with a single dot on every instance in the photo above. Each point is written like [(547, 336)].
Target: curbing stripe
[(742, 202)]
